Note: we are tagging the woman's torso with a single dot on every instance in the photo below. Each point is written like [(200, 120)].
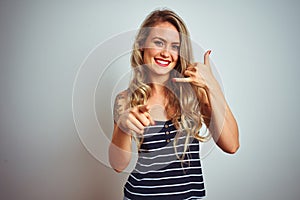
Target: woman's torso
[(159, 173)]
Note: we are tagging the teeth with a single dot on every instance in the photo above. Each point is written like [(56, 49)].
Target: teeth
[(162, 62)]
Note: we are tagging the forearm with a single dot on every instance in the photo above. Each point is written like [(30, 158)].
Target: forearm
[(223, 125), (120, 149), (213, 106)]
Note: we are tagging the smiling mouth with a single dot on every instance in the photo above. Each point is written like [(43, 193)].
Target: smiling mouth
[(162, 62)]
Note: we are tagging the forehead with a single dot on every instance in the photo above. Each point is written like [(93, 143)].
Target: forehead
[(166, 31)]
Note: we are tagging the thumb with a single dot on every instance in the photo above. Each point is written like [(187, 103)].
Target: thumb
[(206, 57)]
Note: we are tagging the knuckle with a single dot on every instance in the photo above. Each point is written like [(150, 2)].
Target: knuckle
[(147, 122), (144, 122), (130, 116), (127, 123), (131, 112)]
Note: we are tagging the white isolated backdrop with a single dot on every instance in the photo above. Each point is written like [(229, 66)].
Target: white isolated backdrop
[(254, 45)]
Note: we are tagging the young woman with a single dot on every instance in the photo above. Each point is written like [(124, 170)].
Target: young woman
[(170, 98)]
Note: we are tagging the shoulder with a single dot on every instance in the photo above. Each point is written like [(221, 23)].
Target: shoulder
[(122, 98), (121, 104)]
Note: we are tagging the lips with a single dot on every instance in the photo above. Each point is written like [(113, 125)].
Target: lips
[(162, 62)]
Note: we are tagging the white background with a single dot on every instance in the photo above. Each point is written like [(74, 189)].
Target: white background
[(255, 46)]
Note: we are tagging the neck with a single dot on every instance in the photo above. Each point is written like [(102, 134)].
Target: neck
[(158, 79), (157, 88)]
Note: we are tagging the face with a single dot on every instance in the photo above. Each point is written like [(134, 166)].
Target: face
[(161, 50)]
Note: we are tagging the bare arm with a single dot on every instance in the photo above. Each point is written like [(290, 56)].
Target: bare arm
[(223, 125), (120, 147), (127, 120)]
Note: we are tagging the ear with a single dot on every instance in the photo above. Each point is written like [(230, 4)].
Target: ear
[(141, 48)]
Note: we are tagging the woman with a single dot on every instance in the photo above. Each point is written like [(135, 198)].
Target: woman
[(170, 98)]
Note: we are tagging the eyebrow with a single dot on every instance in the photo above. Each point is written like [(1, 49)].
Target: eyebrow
[(165, 40)]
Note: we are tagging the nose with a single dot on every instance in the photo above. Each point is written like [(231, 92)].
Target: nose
[(165, 52)]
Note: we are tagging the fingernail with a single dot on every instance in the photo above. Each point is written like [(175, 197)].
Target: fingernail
[(209, 52)]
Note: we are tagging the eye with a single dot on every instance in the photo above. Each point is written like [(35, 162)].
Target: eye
[(176, 47), (158, 43)]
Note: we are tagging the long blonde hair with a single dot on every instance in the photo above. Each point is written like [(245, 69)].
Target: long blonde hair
[(187, 101)]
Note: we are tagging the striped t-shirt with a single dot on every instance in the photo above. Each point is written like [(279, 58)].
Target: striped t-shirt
[(159, 174)]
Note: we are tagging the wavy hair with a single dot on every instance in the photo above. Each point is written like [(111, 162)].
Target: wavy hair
[(189, 102)]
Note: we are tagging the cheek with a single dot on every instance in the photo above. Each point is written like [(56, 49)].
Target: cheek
[(175, 57), (150, 53), (154, 51)]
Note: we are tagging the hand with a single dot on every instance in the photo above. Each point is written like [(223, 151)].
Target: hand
[(198, 74), (135, 119)]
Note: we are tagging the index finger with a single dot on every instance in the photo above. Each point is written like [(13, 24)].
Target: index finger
[(143, 108), (149, 118), (182, 80)]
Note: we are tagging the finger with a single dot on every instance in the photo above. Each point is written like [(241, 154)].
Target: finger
[(152, 122), (143, 119), (140, 113), (182, 80), (140, 117), (193, 67), (132, 127), (136, 122), (189, 73), (206, 57), (144, 108)]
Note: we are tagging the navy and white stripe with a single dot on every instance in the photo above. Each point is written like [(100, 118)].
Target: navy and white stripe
[(159, 174)]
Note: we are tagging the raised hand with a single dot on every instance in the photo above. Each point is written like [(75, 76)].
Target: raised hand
[(198, 74), (223, 127)]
